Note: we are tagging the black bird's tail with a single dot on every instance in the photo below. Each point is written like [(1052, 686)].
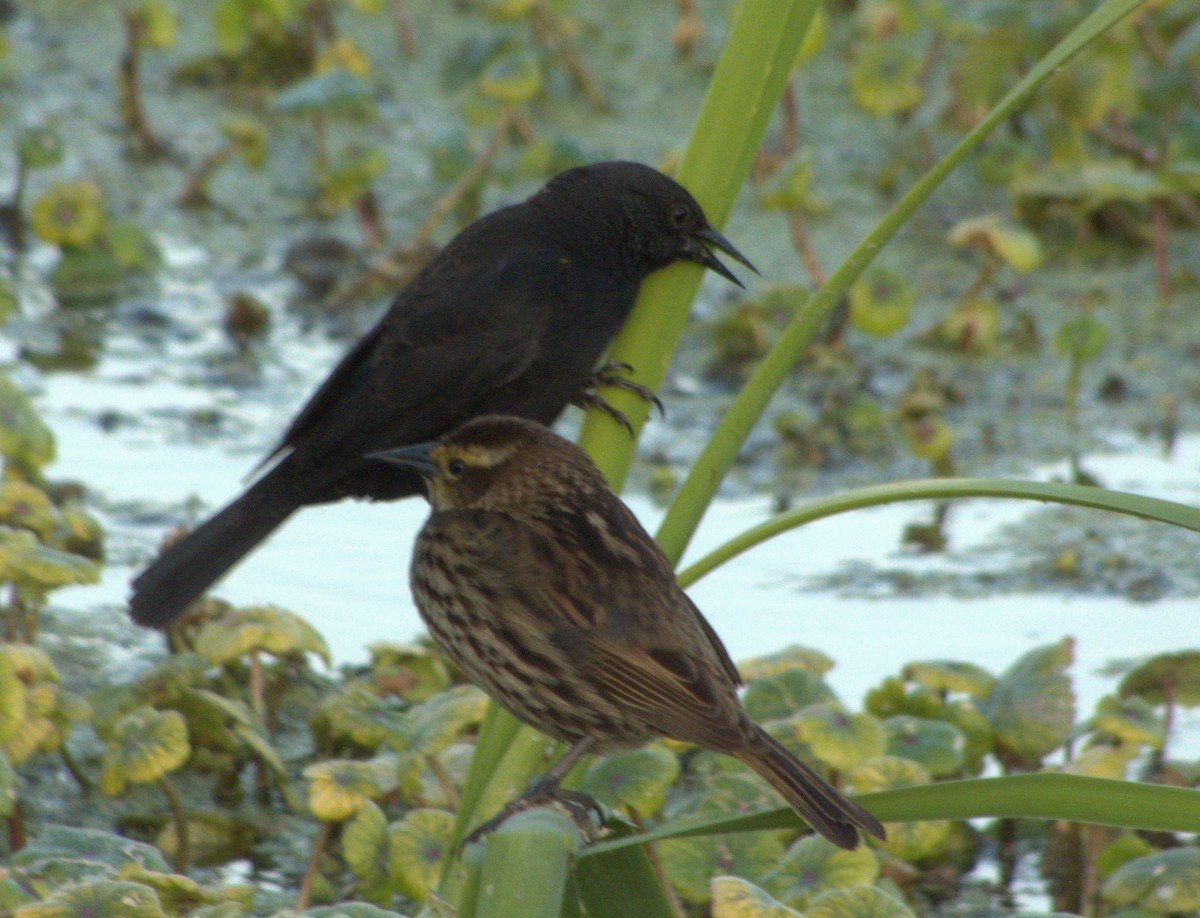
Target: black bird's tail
[(822, 806), (184, 571)]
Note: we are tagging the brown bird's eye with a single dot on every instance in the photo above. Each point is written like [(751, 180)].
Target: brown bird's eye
[(679, 216), (455, 468)]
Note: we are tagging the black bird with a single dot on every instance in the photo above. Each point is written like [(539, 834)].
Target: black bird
[(510, 317)]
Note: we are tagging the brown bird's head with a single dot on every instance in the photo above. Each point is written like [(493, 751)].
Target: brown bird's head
[(499, 463), (655, 219)]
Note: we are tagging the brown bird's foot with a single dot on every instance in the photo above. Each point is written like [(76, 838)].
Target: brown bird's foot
[(610, 375), (584, 811)]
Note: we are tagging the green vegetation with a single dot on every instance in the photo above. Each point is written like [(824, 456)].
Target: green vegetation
[(357, 789)]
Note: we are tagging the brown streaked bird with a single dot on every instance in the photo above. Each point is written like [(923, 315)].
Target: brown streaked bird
[(545, 590), (510, 317)]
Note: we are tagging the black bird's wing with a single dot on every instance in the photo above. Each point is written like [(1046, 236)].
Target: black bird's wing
[(454, 336)]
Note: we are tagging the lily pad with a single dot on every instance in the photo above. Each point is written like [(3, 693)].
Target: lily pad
[(1130, 720), (97, 899), (1012, 244), (858, 902), (1101, 761), (885, 78), (338, 789), (69, 213), (12, 699), (880, 301), (837, 738), (9, 782), (366, 845), (359, 715), (950, 676), (637, 780), (60, 843), (419, 844), (691, 863), (794, 656), (1032, 706), (1164, 882), (912, 841), (24, 438), (145, 745), (412, 670), (1168, 677), (434, 724), (39, 147), (512, 79), (781, 695), (1081, 337), (26, 506), (733, 897), (267, 628), (937, 745), (813, 865)]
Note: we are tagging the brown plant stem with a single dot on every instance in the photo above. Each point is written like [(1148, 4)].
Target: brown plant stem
[(546, 24), (314, 860), (195, 188), (405, 36), (182, 845), (133, 114)]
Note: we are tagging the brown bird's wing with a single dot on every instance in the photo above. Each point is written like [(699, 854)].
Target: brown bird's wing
[(452, 337), (619, 620)]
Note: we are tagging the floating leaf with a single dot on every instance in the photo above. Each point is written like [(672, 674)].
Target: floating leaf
[(338, 789), (1101, 762), (366, 845), (638, 779), (1168, 677), (912, 841), (937, 745), (69, 213), (133, 246), (512, 79), (44, 568), (1081, 337), (814, 865), (97, 899), (950, 676), (783, 694), (885, 78), (733, 897), (360, 716), (59, 843), (269, 628), (177, 893), (1164, 882), (145, 745), (12, 699), (419, 844), (413, 670), (839, 739), (1126, 847), (880, 301), (1032, 707), (434, 724), (1130, 720), (858, 902), (23, 436), (691, 863), (87, 276), (39, 147), (37, 734), (789, 186), (1012, 244), (343, 53), (158, 23)]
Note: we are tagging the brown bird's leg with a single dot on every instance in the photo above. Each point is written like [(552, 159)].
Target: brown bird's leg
[(578, 806)]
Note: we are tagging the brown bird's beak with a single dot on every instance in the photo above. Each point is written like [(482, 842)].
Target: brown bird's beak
[(414, 458), (697, 249)]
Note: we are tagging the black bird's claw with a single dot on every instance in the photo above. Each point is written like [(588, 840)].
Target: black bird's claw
[(610, 375), (579, 806)]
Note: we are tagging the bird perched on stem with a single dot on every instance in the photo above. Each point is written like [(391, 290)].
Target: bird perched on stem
[(511, 317), (543, 588)]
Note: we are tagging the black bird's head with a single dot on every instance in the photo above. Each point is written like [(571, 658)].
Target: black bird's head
[(655, 219), (503, 464)]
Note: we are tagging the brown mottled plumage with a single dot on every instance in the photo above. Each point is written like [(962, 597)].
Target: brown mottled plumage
[(541, 585)]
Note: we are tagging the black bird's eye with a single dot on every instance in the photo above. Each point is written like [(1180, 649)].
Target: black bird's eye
[(679, 216), (455, 468)]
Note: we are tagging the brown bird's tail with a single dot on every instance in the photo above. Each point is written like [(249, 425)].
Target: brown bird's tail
[(184, 571), (818, 803)]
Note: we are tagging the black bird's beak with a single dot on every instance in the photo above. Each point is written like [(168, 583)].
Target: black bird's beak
[(697, 249), (414, 458)]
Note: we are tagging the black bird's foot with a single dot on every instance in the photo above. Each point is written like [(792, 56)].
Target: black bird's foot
[(610, 375), (579, 806)]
